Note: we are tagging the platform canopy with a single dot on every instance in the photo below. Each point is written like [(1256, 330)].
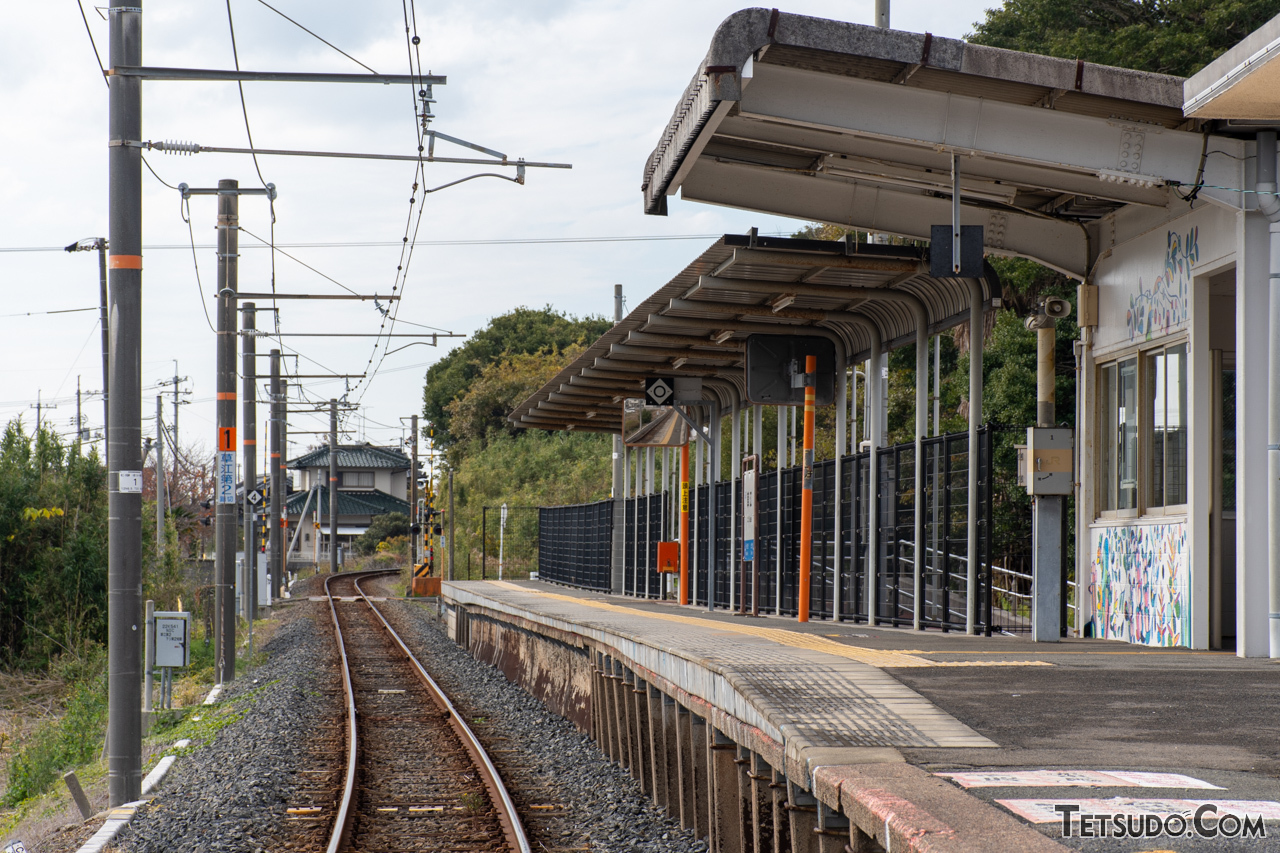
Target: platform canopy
[(1243, 83), (856, 125), (696, 324)]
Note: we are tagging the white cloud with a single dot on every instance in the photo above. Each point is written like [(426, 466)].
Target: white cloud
[(591, 83)]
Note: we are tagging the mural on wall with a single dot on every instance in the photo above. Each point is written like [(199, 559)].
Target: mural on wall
[(1165, 305), (1141, 584)]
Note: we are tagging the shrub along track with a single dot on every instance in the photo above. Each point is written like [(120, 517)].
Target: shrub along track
[(416, 777)]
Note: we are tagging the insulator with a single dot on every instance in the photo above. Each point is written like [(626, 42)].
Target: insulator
[(174, 147)]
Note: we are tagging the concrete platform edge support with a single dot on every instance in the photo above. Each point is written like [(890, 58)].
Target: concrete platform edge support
[(723, 778)]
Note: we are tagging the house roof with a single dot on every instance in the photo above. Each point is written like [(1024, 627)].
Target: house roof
[(354, 456), (350, 502), (858, 126)]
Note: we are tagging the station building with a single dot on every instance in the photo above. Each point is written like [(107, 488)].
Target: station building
[(1165, 216)]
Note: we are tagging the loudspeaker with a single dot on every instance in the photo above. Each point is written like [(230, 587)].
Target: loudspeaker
[(1057, 308)]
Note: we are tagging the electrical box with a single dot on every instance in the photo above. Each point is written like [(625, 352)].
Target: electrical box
[(173, 638), (1049, 461), (668, 557)]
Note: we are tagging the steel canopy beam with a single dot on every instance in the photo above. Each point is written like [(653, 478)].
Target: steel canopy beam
[(1054, 243)]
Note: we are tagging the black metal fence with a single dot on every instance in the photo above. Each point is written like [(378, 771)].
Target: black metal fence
[(845, 575), (575, 544)]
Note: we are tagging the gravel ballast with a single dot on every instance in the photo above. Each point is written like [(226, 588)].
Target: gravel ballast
[(232, 794)]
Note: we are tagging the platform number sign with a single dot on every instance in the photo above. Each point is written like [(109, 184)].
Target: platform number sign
[(658, 390)]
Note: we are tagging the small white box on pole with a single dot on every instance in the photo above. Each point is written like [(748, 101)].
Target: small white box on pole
[(173, 639)]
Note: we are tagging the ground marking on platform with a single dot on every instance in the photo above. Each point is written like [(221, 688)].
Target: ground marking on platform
[(883, 659), (1075, 779), (1044, 811)]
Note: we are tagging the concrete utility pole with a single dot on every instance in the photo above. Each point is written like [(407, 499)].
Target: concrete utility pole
[(414, 517), (40, 407), (225, 517), (124, 411), (273, 472), (249, 441), (333, 486), (101, 245), (284, 484), (159, 477)]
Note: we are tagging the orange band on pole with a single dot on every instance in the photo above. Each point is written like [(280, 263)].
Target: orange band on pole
[(684, 523), (226, 395), (806, 496), (124, 262)]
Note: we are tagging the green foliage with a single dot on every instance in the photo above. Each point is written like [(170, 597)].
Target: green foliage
[(1165, 36), (53, 547), (381, 528), (524, 330), (67, 742)]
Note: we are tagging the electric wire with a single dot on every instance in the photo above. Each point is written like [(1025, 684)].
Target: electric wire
[(93, 44), (184, 210), (61, 311), (320, 38), (297, 260)]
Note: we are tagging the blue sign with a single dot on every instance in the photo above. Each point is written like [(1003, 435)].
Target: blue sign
[(226, 477), (749, 550)]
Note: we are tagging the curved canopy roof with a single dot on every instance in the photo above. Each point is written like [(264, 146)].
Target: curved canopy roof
[(696, 324), (857, 126)]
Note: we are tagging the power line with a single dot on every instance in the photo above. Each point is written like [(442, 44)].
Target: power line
[(384, 244), (310, 33)]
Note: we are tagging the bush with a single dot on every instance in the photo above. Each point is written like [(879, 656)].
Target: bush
[(61, 744)]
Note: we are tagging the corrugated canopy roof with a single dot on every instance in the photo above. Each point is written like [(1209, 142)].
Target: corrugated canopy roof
[(696, 324), (856, 125)]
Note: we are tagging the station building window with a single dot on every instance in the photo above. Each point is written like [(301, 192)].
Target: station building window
[(1143, 432)]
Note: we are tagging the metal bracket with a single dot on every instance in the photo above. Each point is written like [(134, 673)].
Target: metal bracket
[(689, 421)]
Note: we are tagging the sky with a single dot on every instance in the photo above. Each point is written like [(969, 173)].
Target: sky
[(591, 83)]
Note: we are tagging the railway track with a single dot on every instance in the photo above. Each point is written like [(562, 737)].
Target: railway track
[(416, 776)]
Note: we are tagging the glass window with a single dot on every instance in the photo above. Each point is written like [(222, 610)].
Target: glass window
[(357, 479), (1166, 426), (1118, 465), (1228, 441)]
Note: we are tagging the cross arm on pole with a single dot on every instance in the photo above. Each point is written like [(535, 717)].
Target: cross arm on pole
[(147, 72)]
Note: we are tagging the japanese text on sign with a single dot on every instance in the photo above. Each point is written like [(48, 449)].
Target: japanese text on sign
[(226, 477)]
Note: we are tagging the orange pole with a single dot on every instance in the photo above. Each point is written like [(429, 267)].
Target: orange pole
[(806, 496), (684, 523)]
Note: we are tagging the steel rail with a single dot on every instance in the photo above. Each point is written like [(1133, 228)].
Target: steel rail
[(512, 828), (342, 823)]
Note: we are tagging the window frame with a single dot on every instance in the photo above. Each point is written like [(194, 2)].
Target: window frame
[(1107, 490)]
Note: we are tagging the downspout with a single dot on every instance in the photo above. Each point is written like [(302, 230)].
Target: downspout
[(1269, 206)]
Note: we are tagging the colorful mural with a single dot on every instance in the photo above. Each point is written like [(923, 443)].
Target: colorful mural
[(1141, 584), (1164, 307)]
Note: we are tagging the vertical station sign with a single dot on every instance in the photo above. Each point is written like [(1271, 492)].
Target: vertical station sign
[(748, 515)]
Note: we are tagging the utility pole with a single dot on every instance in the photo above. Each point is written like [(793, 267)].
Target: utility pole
[(273, 472), (333, 487), (79, 417), (414, 518), (225, 517), (160, 490), (284, 483), (249, 442), (124, 411), (101, 245), (40, 407), (451, 525)]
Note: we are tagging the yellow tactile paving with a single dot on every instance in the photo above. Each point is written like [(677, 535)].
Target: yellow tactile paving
[(880, 658)]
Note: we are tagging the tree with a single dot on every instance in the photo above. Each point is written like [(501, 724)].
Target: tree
[(482, 410), (382, 528), (1164, 36), (523, 330)]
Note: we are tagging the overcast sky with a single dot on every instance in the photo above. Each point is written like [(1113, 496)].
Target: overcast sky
[(590, 83)]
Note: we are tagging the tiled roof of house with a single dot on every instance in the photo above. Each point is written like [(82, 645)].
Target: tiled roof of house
[(354, 456), (368, 502)]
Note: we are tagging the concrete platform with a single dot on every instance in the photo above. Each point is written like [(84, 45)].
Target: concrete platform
[(836, 731)]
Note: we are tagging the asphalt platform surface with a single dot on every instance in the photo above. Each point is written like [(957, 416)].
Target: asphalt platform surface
[(1099, 705)]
